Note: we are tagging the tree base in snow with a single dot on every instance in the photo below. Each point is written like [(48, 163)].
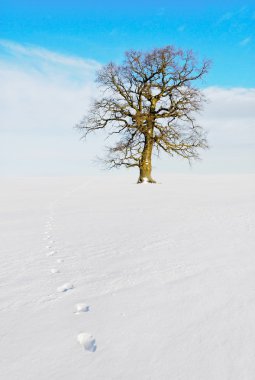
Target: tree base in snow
[(146, 180)]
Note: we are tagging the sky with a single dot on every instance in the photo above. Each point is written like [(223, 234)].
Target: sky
[(50, 51)]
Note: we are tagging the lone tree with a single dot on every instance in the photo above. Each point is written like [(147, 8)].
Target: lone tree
[(149, 102)]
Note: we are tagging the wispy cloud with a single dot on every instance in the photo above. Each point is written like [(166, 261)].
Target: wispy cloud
[(240, 14), (226, 17), (49, 65), (245, 41), (47, 55)]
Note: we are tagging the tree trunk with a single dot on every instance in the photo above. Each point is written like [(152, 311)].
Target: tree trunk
[(145, 163)]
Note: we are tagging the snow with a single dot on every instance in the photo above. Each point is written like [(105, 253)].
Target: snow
[(164, 278), (81, 308), (87, 341), (51, 253), (65, 287), (54, 270)]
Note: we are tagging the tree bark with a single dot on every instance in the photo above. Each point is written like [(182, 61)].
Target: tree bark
[(145, 163)]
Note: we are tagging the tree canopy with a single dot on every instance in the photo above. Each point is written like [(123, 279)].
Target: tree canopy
[(150, 102)]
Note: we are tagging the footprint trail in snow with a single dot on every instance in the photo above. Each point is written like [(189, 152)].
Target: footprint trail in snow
[(86, 340)]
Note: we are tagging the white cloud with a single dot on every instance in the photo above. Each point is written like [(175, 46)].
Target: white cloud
[(230, 103), (232, 111), (229, 118), (42, 98)]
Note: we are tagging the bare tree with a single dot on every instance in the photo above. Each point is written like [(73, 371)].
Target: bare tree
[(150, 103)]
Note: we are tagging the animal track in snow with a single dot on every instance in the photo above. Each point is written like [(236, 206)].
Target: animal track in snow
[(81, 308), (65, 287), (87, 341), (59, 261)]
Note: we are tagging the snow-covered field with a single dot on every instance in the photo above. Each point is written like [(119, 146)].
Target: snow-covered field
[(103, 279)]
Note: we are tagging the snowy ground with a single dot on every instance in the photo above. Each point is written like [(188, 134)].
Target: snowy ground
[(163, 275)]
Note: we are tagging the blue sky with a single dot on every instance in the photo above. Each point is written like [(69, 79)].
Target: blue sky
[(223, 31), (49, 51)]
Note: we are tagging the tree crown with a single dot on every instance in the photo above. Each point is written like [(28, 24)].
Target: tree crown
[(152, 98)]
